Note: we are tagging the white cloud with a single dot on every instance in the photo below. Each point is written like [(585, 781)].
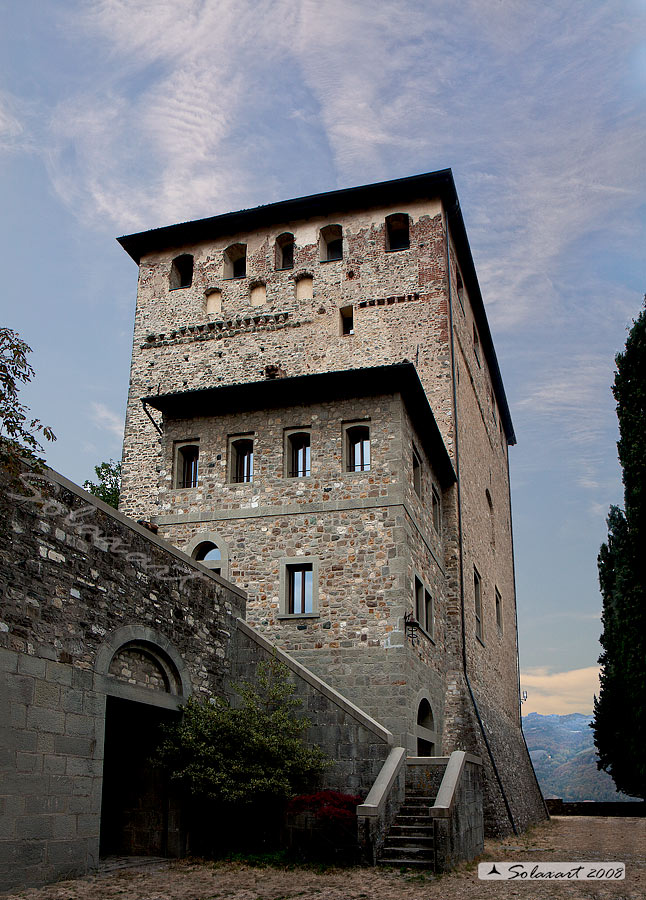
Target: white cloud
[(559, 693), (107, 420), (12, 131)]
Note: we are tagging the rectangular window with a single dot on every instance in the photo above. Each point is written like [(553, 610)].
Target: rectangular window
[(357, 448), (429, 614), (186, 465), (476, 344), (300, 593), (498, 610), (347, 320), (460, 284), (241, 460), (436, 509), (419, 601), (417, 473), (477, 595), (297, 454)]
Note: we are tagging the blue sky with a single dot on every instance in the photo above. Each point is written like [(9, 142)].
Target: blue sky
[(123, 115)]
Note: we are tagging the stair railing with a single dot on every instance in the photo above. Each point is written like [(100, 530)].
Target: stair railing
[(376, 813)]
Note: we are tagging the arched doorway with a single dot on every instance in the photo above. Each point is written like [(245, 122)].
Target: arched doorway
[(425, 730), (145, 681)]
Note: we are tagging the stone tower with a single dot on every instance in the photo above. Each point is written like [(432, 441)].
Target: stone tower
[(316, 412)]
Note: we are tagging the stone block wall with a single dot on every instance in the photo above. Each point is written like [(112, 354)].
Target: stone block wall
[(78, 580), (357, 744)]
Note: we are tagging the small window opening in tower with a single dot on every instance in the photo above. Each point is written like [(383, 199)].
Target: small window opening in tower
[(476, 344), (304, 288), (436, 509), (460, 284), (187, 465), (347, 320), (419, 601), (235, 261), (498, 610), (397, 232), (299, 453), (331, 243), (213, 303), (417, 473), (285, 251), (477, 598), (358, 438), (242, 461), (181, 272), (208, 553), (429, 614)]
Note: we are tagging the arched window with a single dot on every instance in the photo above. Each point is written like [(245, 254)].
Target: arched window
[(210, 555), (181, 272), (298, 454), (187, 464), (235, 261), (397, 232), (241, 454), (358, 448), (209, 548), (426, 737), (331, 243), (285, 251)]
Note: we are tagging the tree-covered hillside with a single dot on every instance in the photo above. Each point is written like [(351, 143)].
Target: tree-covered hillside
[(563, 754)]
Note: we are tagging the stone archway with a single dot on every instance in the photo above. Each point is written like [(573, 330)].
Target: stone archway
[(145, 681), (425, 728)]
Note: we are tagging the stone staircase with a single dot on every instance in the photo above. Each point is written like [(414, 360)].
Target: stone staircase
[(410, 839)]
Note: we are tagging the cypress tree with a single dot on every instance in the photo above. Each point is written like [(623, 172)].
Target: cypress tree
[(620, 710)]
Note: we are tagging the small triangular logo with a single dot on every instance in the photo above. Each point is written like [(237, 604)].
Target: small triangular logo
[(494, 871)]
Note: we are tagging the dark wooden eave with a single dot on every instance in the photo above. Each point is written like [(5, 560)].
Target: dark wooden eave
[(398, 191), (303, 390)]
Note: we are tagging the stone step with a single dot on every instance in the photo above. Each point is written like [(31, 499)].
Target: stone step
[(410, 809), (404, 840), (423, 854), (409, 863), (411, 830), (412, 820)]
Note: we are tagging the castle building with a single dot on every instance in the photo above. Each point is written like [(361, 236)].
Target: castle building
[(316, 413)]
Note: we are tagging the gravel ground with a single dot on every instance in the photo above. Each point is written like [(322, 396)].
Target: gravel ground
[(564, 839)]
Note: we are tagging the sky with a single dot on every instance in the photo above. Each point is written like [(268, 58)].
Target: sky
[(122, 115)]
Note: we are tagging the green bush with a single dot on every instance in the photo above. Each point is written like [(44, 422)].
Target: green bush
[(238, 765)]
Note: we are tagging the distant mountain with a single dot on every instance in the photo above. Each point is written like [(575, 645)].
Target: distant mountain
[(564, 757)]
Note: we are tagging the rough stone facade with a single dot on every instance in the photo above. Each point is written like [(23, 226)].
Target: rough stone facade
[(249, 357), (105, 630)]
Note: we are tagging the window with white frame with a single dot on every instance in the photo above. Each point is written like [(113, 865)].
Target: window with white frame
[(187, 454), (357, 448), (241, 459), (298, 453), (299, 587)]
